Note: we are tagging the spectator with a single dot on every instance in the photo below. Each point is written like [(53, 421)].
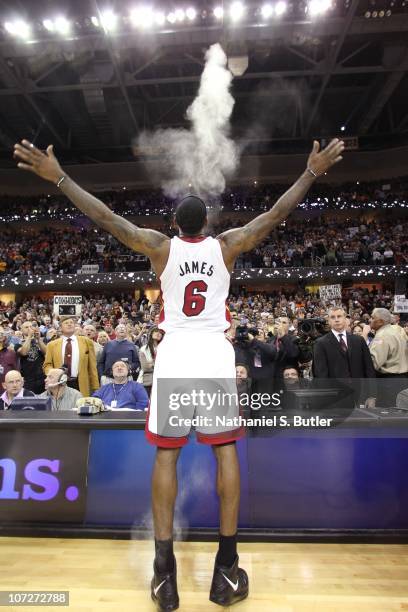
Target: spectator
[(389, 351), (340, 355), (31, 352), (147, 356), (90, 332), (259, 356), (119, 349), (13, 386), (77, 355), (109, 329), (243, 386), (122, 392), (291, 378), (8, 359), (61, 396), (287, 349), (358, 329), (46, 325)]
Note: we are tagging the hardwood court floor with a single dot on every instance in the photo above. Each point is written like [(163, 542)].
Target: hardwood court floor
[(114, 575)]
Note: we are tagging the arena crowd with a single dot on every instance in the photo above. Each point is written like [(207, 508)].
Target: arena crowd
[(383, 193), (274, 336), (318, 242)]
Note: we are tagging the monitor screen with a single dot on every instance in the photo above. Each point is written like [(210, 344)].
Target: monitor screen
[(30, 403)]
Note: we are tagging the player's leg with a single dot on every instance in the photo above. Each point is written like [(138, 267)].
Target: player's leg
[(228, 489), (230, 582), (164, 493)]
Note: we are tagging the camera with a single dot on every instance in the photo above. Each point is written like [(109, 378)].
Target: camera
[(242, 331), (313, 327)]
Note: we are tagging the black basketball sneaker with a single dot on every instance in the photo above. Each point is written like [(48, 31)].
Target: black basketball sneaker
[(229, 584), (164, 589)]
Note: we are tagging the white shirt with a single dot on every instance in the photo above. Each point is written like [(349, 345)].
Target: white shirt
[(75, 354), (338, 334)]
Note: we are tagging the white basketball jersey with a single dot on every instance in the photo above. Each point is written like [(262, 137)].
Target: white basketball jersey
[(195, 285)]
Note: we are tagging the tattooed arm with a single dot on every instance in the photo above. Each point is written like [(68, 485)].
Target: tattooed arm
[(149, 242), (238, 240)]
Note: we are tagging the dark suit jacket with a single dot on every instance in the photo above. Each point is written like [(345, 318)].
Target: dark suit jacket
[(287, 354), (329, 361), (26, 393)]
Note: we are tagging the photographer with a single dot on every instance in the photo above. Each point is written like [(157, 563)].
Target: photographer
[(31, 351), (287, 346), (251, 349)]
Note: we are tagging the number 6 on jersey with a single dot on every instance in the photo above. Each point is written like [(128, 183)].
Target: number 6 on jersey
[(194, 302)]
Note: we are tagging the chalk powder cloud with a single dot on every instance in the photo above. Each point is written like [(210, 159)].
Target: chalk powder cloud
[(199, 159)]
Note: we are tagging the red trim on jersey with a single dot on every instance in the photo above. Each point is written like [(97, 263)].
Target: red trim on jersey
[(221, 438), (192, 238), (161, 312), (162, 441), (227, 316)]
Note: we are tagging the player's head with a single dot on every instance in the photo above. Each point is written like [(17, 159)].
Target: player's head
[(191, 215)]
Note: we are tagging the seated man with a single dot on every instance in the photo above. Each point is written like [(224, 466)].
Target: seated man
[(291, 378), (14, 388), (62, 397), (122, 392)]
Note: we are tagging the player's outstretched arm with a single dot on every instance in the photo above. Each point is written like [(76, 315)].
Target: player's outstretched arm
[(47, 167), (238, 240)]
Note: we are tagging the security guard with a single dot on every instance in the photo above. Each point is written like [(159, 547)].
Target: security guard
[(389, 351)]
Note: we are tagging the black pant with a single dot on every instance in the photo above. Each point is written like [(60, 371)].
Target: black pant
[(388, 388)]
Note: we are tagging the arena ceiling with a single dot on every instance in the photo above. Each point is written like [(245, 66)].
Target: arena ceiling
[(90, 91)]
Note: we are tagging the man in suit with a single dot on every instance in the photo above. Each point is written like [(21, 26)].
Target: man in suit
[(77, 355), (341, 355)]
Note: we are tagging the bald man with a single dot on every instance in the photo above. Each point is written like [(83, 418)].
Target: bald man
[(56, 389), (13, 388)]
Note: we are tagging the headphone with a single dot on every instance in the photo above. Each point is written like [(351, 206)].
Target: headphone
[(63, 379)]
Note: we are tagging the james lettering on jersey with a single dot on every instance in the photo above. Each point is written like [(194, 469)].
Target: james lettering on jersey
[(194, 355)]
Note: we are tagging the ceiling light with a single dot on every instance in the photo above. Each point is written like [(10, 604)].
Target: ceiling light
[(48, 25), (62, 25), (171, 17), (236, 11), (179, 15), (18, 28), (159, 18), (142, 17), (218, 12), (191, 13), (267, 11), (318, 7), (280, 8), (109, 21), (95, 21)]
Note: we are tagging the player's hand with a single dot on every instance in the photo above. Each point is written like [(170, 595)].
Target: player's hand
[(43, 164), (320, 161)]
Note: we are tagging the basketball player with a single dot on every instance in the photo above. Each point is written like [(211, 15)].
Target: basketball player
[(194, 272)]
